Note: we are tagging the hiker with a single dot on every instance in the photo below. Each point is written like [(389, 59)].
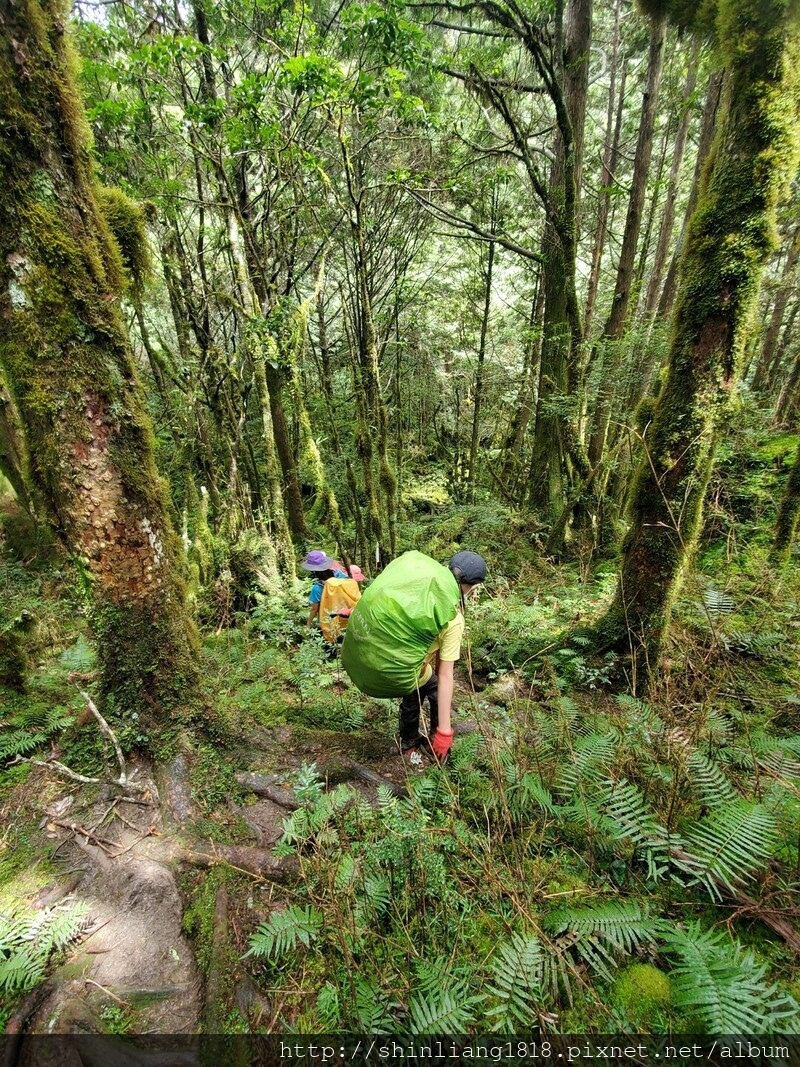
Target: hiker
[(324, 568), (410, 616)]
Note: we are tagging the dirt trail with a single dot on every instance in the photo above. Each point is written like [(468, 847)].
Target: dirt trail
[(134, 953)]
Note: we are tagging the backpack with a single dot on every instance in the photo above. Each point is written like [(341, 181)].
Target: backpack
[(395, 622), (339, 597)]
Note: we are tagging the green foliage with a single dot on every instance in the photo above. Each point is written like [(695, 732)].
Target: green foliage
[(29, 940), (724, 986), (730, 845), (516, 982), (285, 931)]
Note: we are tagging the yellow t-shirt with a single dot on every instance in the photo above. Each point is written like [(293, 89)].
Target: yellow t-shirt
[(447, 644)]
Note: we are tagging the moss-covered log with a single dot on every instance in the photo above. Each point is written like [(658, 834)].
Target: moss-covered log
[(65, 356), (730, 237)]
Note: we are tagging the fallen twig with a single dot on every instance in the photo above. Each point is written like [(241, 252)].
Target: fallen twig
[(108, 993)]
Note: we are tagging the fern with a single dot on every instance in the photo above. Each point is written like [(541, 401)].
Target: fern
[(718, 603), (378, 893), (709, 780), (284, 931), (21, 971), (308, 784), (530, 792), (723, 985), (516, 982), (730, 845), (447, 1010), (329, 1008), (373, 1009), (622, 925), (634, 820), (20, 742), (748, 643), (590, 758), (28, 941)]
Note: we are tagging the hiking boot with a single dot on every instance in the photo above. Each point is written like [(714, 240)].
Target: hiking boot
[(417, 755)]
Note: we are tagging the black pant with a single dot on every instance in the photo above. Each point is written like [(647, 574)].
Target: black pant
[(410, 708)]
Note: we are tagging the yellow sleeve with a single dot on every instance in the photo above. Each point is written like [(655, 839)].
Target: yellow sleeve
[(449, 640)]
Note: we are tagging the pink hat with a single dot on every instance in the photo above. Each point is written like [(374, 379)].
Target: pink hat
[(355, 571)]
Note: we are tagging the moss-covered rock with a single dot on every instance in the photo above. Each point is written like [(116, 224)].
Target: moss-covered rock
[(641, 990)]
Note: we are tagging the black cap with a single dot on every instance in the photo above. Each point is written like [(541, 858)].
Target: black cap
[(468, 567)]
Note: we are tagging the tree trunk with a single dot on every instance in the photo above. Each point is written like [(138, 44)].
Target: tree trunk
[(66, 358), (789, 398), (612, 330), (788, 512), (769, 357), (478, 387), (562, 332), (668, 218), (708, 128), (730, 238), (608, 173)]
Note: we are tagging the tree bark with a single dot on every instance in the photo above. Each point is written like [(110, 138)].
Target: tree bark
[(608, 173), (708, 127), (477, 392), (562, 332), (66, 358)]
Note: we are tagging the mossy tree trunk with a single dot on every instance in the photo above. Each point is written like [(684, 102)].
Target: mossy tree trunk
[(65, 356), (788, 512), (729, 240)]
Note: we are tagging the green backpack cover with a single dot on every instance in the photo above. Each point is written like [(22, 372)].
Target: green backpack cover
[(394, 623)]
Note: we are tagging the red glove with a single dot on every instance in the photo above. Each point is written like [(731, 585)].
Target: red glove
[(442, 743)]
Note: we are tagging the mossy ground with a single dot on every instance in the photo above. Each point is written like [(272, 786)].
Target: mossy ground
[(277, 703)]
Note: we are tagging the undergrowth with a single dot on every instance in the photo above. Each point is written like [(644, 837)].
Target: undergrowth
[(507, 892)]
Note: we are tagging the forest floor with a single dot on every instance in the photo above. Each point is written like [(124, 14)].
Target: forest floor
[(123, 853), (282, 869)]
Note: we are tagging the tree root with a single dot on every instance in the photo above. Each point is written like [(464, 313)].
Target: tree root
[(253, 861)]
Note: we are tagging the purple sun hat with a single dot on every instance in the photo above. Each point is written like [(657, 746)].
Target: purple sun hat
[(317, 561)]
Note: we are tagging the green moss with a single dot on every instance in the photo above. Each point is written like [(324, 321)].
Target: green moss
[(126, 220), (642, 990)]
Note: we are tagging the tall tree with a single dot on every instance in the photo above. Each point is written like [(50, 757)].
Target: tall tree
[(730, 237), (65, 355)]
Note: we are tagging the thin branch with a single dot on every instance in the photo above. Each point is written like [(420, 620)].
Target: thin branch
[(478, 232), (500, 83)]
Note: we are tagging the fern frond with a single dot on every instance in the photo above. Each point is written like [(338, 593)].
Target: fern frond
[(285, 930), (730, 845), (378, 893), (590, 758), (19, 742), (28, 941), (449, 1011), (634, 820), (723, 985), (329, 1008), (530, 792), (516, 982), (373, 1009), (21, 971), (709, 780), (623, 925), (717, 602)]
